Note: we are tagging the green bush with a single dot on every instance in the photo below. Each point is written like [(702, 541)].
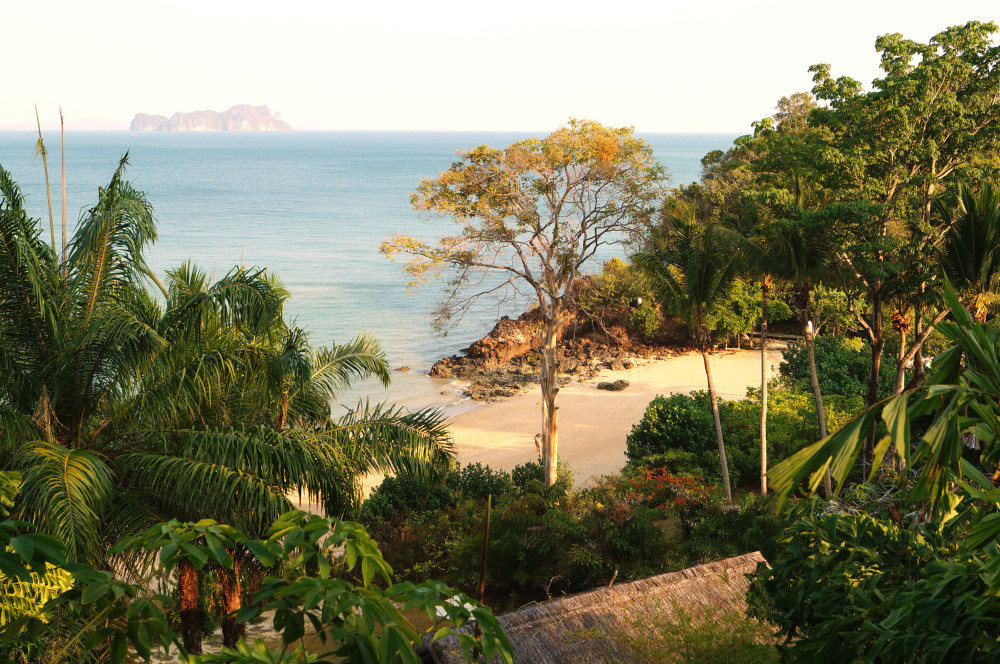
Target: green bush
[(842, 365), (852, 588), (401, 494), (676, 423), (477, 482), (527, 472), (677, 433)]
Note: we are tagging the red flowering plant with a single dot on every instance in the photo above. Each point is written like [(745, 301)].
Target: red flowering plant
[(657, 488)]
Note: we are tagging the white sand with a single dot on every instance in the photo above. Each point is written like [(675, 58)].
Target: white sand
[(593, 424)]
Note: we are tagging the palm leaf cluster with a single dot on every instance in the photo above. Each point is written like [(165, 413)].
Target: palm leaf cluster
[(126, 400)]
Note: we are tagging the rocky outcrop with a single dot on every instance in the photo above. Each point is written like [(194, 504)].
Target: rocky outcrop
[(145, 122), (242, 117)]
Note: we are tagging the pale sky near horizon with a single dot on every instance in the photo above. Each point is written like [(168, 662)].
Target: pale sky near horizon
[(710, 66)]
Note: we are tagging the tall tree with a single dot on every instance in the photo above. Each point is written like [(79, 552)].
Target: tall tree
[(692, 267), (935, 110), (532, 215)]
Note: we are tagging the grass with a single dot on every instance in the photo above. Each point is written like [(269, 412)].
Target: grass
[(678, 636)]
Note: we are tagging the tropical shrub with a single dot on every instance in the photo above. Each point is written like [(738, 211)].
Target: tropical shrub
[(358, 620), (842, 365), (676, 432), (919, 581), (678, 422)]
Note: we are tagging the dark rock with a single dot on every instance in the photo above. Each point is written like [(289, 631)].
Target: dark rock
[(402, 368), (616, 386)]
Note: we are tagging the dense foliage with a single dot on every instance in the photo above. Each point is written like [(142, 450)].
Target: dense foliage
[(322, 574), (915, 579), (547, 541), (843, 363), (675, 432)]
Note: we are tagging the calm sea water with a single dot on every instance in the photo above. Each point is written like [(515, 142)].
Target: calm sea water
[(311, 206)]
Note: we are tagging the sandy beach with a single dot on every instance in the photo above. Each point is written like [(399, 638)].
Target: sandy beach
[(593, 423)]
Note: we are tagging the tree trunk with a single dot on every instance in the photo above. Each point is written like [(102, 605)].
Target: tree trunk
[(232, 600), (818, 397), (897, 382), (871, 398), (877, 339), (550, 388), (718, 428), (187, 591), (62, 149), (763, 386)]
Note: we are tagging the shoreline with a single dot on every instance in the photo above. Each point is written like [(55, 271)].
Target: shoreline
[(594, 424)]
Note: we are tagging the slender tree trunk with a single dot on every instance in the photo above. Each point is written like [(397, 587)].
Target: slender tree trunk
[(897, 382), (40, 147), (718, 428), (187, 590), (550, 388), (62, 149), (763, 385), (818, 397), (232, 600)]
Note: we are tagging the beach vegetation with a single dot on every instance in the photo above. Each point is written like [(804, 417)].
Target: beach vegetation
[(530, 217), (676, 435)]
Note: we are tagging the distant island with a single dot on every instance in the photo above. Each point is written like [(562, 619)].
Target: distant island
[(242, 117)]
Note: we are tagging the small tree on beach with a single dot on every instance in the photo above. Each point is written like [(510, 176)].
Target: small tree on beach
[(533, 213)]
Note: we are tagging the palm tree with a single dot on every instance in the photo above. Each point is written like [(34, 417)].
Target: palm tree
[(691, 271), (122, 411), (971, 256), (799, 250)]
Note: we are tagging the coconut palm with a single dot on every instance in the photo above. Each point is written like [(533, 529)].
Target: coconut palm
[(121, 410), (691, 271)]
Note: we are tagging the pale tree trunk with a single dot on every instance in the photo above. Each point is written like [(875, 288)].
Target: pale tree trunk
[(231, 590), (48, 191), (763, 386), (818, 397), (550, 388), (897, 383), (187, 591), (718, 428), (62, 149)]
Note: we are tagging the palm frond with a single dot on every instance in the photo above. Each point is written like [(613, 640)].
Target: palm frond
[(65, 493), (388, 439), (334, 369)]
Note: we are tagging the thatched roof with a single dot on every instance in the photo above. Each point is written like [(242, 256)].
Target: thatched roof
[(581, 628)]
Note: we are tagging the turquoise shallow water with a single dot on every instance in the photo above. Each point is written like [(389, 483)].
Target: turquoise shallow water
[(311, 206)]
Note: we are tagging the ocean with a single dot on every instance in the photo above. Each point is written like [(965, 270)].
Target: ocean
[(312, 207)]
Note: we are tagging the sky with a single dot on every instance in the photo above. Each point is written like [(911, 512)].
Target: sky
[(523, 65)]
